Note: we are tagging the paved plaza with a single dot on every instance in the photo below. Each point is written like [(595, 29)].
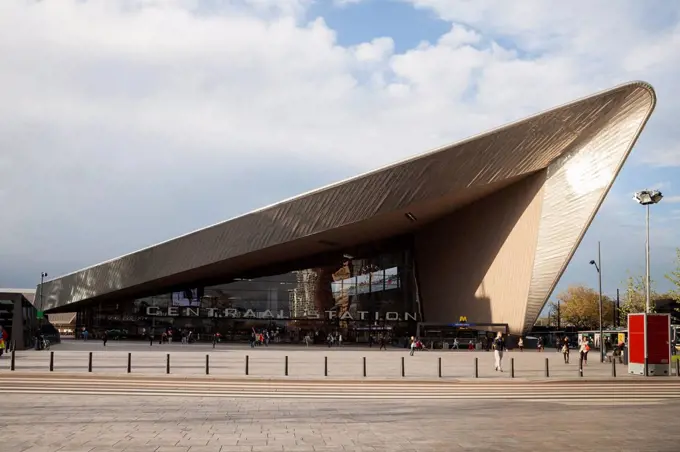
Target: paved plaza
[(65, 423), (228, 360)]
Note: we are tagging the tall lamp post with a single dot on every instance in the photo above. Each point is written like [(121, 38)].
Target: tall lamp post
[(43, 275), (598, 267), (647, 198)]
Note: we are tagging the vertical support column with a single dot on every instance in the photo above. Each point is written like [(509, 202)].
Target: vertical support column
[(246, 364), (285, 370), (167, 363), (89, 362), (325, 366), (403, 367), (547, 368), (364, 366), (439, 367), (207, 364), (512, 367), (51, 361), (129, 363), (476, 367)]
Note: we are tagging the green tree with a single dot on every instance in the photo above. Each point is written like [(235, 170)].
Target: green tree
[(674, 277), (635, 298), (579, 307)]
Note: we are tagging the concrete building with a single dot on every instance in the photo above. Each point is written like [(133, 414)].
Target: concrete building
[(481, 229)]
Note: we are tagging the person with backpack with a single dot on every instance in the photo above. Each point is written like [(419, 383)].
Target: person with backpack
[(498, 349)]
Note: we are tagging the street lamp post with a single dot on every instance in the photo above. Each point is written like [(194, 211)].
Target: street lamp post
[(43, 275), (598, 267), (647, 198)]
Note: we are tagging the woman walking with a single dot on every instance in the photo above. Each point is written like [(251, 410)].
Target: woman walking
[(498, 348)]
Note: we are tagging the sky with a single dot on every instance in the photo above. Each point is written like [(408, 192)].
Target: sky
[(126, 123)]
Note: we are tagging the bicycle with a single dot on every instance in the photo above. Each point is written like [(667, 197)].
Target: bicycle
[(45, 344)]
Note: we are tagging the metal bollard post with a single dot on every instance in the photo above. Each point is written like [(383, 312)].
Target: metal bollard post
[(246, 364), (580, 365), (439, 367), (286, 367), (13, 361), (547, 368), (51, 361), (129, 367), (613, 367), (364, 366), (512, 367), (167, 363), (403, 369), (325, 366), (677, 368), (207, 364), (89, 363), (476, 367)]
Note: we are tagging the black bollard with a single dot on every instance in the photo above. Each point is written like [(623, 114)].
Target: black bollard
[(129, 368), (439, 367), (207, 364), (547, 368), (285, 370), (89, 363), (13, 361), (51, 361), (512, 367), (246, 364), (580, 365), (325, 366), (613, 367), (403, 370), (677, 368), (476, 367), (167, 363), (364, 366)]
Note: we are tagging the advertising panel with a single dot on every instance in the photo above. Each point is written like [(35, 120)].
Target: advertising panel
[(186, 299)]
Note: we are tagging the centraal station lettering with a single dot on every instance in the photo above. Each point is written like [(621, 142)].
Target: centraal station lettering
[(268, 314)]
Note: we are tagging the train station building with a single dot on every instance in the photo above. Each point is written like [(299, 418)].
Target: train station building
[(480, 230)]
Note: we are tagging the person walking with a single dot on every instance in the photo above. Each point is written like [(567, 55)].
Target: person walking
[(520, 344), (105, 338), (584, 348), (498, 349), (565, 349), (413, 345)]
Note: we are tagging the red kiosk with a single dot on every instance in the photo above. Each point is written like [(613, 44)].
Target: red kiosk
[(649, 344)]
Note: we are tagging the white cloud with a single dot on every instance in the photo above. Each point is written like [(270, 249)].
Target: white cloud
[(112, 111)]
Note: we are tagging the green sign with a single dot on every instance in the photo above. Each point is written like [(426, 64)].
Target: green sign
[(40, 315)]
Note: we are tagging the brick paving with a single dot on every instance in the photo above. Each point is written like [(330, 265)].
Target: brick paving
[(228, 360), (62, 423)]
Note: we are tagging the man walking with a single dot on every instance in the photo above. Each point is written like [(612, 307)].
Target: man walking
[(498, 348)]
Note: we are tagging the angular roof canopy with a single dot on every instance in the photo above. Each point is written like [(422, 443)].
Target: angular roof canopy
[(373, 206)]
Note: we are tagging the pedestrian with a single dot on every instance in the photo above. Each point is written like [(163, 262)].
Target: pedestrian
[(413, 345), (150, 338), (520, 344), (584, 348), (498, 349), (565, 350), (105, 338)]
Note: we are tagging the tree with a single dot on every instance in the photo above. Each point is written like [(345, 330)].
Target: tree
[(579, 307), (674, 277), (635, 298)]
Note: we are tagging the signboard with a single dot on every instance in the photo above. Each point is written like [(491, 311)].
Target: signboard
[(40, 315), (653, 332), (622, 338)]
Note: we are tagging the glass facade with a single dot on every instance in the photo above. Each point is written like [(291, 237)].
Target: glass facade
[(359, 297)]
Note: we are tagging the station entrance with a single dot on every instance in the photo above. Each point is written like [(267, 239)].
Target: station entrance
[(462, 336)]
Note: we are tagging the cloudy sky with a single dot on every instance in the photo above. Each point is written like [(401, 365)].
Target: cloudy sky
[(125, 123)]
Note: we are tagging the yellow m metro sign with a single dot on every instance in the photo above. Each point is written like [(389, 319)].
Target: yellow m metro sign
[(462, 319)]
